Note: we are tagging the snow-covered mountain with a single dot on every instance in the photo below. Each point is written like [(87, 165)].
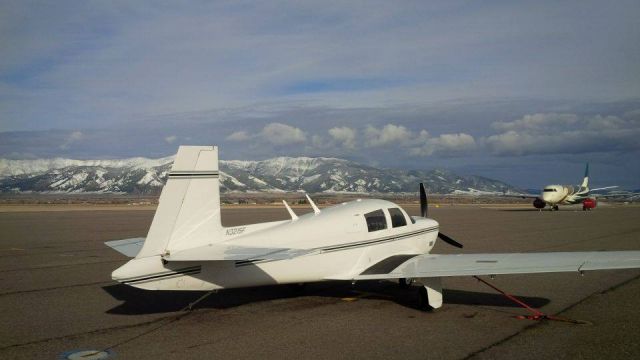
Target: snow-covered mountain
[(313, 175)]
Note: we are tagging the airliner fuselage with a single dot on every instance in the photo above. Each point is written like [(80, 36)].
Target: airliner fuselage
[(564, 194)]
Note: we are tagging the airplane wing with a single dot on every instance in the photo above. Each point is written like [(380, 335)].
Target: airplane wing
[(432, 265), (604, 188), (224, 252), (128, 247), (522, 196)]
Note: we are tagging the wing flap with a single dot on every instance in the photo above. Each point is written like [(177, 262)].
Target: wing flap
[(128, 247), (429, 265)]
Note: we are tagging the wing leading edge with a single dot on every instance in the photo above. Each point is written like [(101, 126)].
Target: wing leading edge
[(432, 265)]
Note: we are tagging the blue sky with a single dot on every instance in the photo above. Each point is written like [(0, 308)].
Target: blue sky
[(522, 91)]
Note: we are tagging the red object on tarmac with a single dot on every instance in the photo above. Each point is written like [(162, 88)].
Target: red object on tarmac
[(589, 204)]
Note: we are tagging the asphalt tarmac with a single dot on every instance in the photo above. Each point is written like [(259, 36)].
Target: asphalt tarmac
[(56, 295)]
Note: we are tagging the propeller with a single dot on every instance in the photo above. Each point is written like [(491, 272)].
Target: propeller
[(424, 209), (449, 240), (424, 205)]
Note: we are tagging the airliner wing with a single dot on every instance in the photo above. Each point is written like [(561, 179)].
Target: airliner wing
[(522, 196), (128, 247), (432, 265), (604, 188)]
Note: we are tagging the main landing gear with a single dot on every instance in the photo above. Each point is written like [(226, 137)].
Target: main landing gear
[(405, 283), (555, 208), (429, 291)]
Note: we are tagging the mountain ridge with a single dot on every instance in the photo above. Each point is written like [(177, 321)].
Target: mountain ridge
[(280, 174)]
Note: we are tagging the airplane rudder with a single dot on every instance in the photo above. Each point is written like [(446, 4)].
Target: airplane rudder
[(191, 187)]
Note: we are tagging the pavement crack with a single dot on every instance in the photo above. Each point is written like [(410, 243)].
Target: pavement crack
[(55, 288), (92, 332), (60, 266)]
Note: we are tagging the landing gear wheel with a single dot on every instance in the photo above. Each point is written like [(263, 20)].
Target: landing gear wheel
[(405, 283), (423, 300), (555, 208)]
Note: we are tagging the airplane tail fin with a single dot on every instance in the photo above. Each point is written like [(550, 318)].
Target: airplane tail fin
[(189, 205), (585, 181)]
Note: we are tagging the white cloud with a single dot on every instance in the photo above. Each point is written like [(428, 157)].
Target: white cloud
[(282, 134), (72, 138), (564, 133), (344, 135), (238, 136), (170, 139), (538, 121), (445, 144), (389, 134)]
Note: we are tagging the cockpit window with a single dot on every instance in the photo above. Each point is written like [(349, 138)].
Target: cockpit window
[(397, 218), (550, 190), (376, 220)]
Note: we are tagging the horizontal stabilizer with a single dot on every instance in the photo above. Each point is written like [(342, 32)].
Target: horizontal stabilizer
[(431, 265), (221, 252), (128, 247)]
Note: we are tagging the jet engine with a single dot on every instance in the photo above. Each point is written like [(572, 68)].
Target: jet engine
[(589, 204), (539, 203)]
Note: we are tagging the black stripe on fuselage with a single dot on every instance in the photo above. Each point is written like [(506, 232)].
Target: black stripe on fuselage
[(186, 271), (387, 265), (378, 241), (193, 174), (347, 246)]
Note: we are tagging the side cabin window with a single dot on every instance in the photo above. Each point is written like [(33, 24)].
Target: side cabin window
[(397, 218), (550, 190), (376, 220)]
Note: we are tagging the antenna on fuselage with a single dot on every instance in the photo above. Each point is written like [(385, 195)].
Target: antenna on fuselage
[(313, 205), (294, 217)]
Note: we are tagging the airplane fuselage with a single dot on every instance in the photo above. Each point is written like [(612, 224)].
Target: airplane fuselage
[(338, 242)]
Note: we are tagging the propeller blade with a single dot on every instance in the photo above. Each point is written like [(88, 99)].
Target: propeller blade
[(424, 205), (449, 240)]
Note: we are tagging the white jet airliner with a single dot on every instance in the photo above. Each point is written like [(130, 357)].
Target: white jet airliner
[(187, 248), (554, 195)]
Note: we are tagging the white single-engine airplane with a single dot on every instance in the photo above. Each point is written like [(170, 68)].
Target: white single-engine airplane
[(187, 248), (553, 195)]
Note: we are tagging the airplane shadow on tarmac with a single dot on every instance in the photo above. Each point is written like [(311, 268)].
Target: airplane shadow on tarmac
[(137, 301)]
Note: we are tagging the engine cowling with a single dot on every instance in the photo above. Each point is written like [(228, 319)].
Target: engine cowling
[(539, 203), (589, 204)]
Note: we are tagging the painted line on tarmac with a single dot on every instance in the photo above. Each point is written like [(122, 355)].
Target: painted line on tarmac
[(60, 266)]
